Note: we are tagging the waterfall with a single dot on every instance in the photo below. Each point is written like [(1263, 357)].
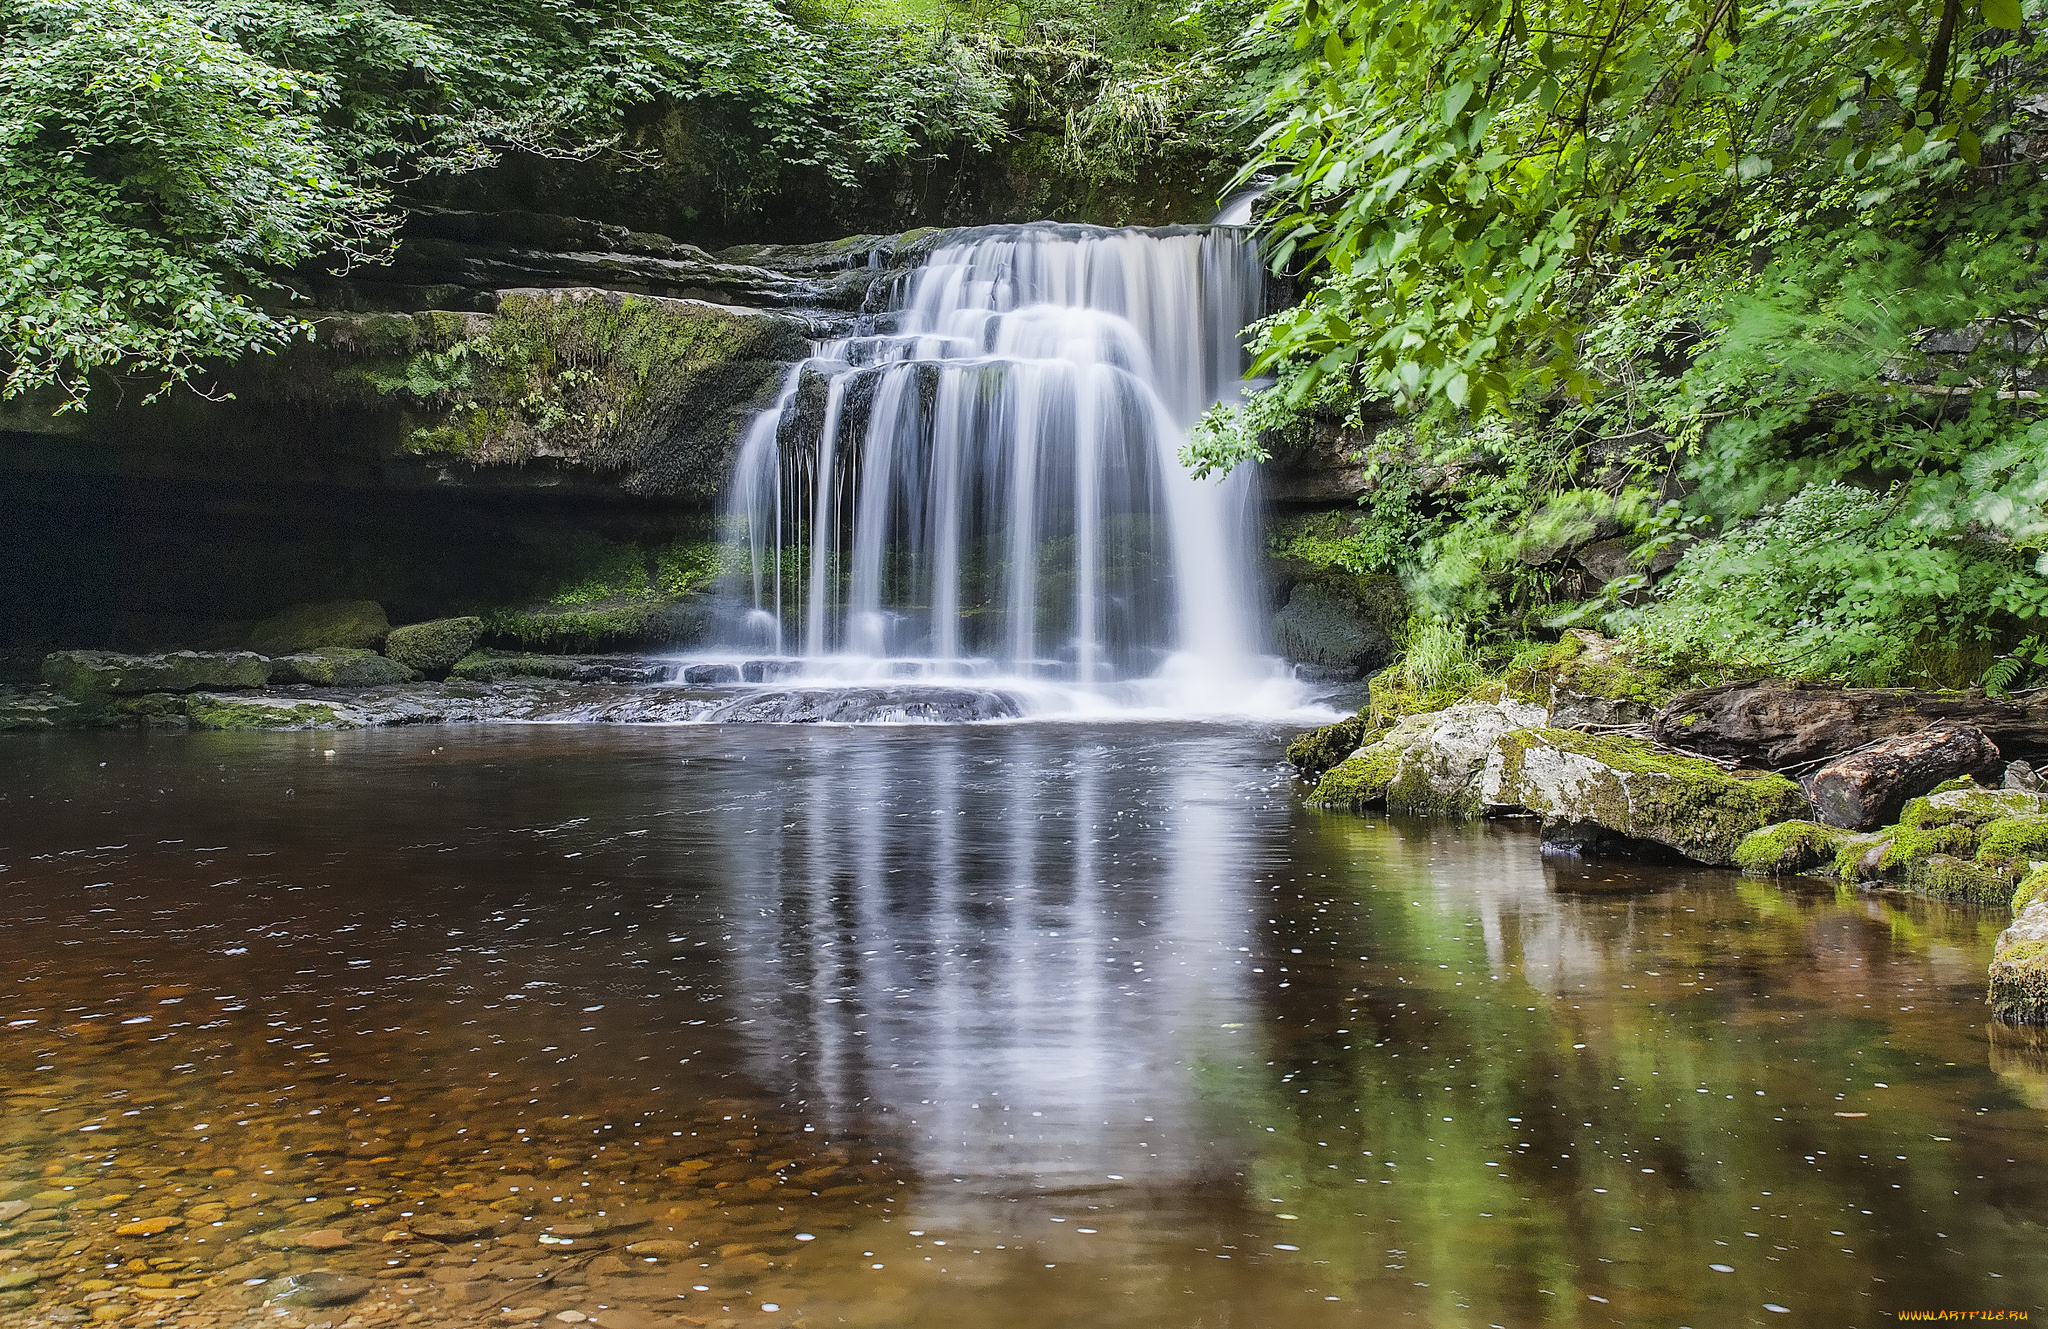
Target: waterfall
[(985, 481)]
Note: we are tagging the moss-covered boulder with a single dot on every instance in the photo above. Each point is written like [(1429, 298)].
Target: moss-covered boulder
[(1948, 877), (1316, 751), (500, 666), (649, 619), (1428, 764), (2014, 843), (2032, 887), (1789, 848), (433, 648), (359, 624), (1590, 681), (338, 667), (208, 711), (1625, 789), (2019, 968), (88, 674), (1969, 806)]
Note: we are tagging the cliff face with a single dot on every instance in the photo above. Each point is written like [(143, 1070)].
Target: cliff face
[(524, 415)]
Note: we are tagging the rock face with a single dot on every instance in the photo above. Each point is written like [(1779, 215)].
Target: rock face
[(358, 624), (2019, 965), (1321, 627), (86, 673), (1593, 788), (434, 648), (1778, 723), (1866, 789), (1429, 763), (338, 667)]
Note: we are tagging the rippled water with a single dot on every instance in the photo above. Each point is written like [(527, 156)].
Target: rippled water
[(1010, 1025)]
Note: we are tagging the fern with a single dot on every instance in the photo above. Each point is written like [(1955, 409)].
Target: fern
[(1999, 678)]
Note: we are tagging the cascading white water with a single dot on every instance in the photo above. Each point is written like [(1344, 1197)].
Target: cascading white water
[(992, 487)]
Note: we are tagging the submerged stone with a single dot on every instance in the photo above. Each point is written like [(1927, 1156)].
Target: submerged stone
[(317, 1289)]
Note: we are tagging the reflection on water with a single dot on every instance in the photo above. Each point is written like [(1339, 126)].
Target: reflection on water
[(1006, 1025)]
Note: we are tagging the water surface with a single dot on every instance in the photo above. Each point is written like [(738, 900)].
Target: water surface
[(1006, 1025)]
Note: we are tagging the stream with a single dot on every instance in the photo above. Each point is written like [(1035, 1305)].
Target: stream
[(1011, 1024)]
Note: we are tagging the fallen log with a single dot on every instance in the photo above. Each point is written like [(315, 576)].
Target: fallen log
[(1781, 724), (1865, 789)]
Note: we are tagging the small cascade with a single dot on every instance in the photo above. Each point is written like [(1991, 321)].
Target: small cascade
[(985, 483)]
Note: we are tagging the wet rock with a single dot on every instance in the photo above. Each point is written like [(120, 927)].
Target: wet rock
[(702, 675), (446, 1230), (318, 1289), (1429, 763), (434, 648), (13, 1209), (14, 1278), (1867, 789), (1316, 751), (338, 667), (1320, 626), (272, 711), (84, 674), (498, 666), (2018, 991), (769, 671), (356, 623), (148, 1227), (1789, 847), (926, 703), (43, 710), (1779, 723), (326, 1239), (1631, 792)]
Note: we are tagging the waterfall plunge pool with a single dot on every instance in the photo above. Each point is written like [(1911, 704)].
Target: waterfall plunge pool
[(1023, 1025)]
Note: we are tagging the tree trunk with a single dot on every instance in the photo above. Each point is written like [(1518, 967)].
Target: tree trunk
[(1866, 789), (1779, 724)]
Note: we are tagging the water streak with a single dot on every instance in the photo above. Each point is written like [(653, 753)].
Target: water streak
[(987, 484)]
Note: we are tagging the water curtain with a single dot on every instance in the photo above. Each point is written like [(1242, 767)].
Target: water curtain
[(987, 482)]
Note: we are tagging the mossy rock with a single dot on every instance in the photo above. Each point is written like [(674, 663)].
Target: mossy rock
[(2018, 990), (360, 624), (211, 712), (86, 675), (1588, 680), (1360, 780), (2032, 887), (339, 667), (1788, 848), (434, 648), (649, 620), (1631, 791), (1970, 806), (2013, 842), (1318, 750), (46, 710), (1946, 877), (1427, 765), (1906, 846), (499, 666)]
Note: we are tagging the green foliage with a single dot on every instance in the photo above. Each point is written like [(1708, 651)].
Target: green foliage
[(1468, 179), (150, 172), (1833, 583)]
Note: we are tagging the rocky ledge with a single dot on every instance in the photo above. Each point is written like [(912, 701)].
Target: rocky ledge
[(1884, 788)]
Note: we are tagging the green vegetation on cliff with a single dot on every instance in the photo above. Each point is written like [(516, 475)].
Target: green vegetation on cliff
[(1711, 324)]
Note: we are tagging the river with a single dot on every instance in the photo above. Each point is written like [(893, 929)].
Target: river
[(1017, 1024)]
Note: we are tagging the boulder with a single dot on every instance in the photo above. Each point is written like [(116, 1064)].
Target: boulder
[(1316, 751), (1429, 763), (84, 674), (1589, 682), (209, 711), (1320, 626), (356, 623), (1969, 806), (1590, 789), (433, 648), (1868, 788), (42, 710), (1788, 848), (497, 666), (2019, 966), (1780, 723), (338, 667)]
